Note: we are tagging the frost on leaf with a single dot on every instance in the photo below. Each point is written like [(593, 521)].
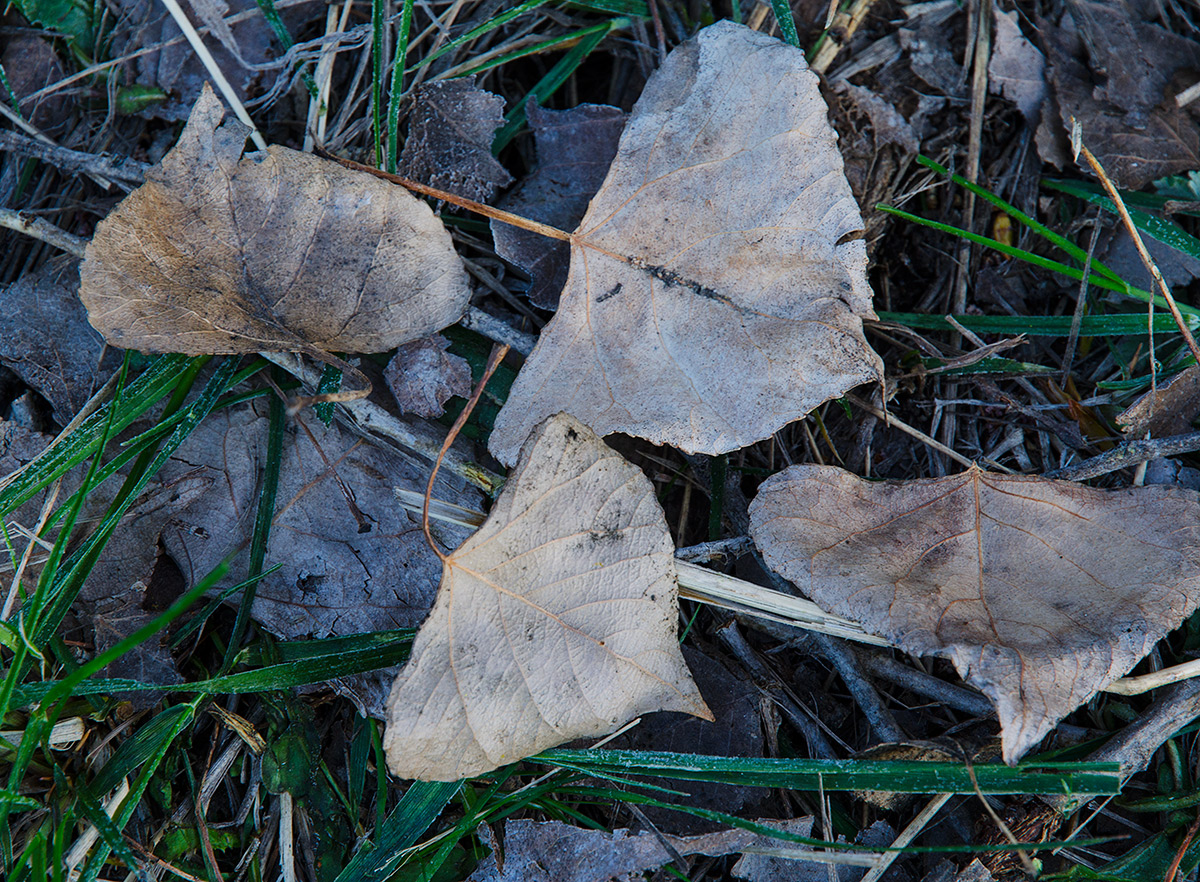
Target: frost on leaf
[(279, 252), (1041, 592), (555, 621), (716, 290)]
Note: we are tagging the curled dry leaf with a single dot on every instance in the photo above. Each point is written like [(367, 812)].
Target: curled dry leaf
[(423, 376), (282, 252), (575, 147), (1041, 592), (715, 292), (556, 620)]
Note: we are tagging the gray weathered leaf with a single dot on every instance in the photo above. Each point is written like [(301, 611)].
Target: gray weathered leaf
[(423, 376), (574, 150), (282, 252), (556, 620), (716, 290), (46, 340), (1041, 592)]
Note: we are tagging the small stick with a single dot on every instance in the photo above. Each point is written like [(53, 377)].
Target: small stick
[(47, 232), (128, 171), (1138, 243), (497, 356), (916, 433), (919, 823), (1128, 454)]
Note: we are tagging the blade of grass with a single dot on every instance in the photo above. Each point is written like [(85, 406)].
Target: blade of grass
[(857, 774), (490, 25), (412, 816), (1165, 231), (787, 24), (1116, 325), (377, 33), (397, 89), (555, 77)]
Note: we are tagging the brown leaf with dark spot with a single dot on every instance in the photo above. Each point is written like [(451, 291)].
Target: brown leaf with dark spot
[(574, 150), (449, 144), (46, 340), (717, 284), (557, 620), (423, 376), (278, 252), (1041, 592)]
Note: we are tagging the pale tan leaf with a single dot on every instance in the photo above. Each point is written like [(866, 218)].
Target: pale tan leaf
[(282, 252), (716, 292), (1041, 592), (557, 620)]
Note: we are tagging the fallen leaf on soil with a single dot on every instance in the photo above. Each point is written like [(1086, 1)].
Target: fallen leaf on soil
[(551, 851), (449, 144), (282, 252), (716, 292), (1113, 73), (32, 64), (46, 340), (1017, 68), (574, 150), (556, 620), (1041, 592), (1167, 410), (343, 572), (423, 376)]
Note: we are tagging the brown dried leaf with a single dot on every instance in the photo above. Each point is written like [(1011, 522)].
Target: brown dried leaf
[(46, 340), (713, 296), (556, 620), (575, 148), (449, 144), (282, 252), (1017, 68), (423, 376), (1041, 592), (343, 572), (1167, 410)]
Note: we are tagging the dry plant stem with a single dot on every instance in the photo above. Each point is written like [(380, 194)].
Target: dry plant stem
[(1145, 682), (370, 419), (1080, 304), (1173, 870), (477, 207), (1142, 252), (766, 680), (81, 846), (497, 356), (14, 591), (916, 433), (849, 23), (1030, 869), (914, 828), (214, 71), (37, 228), (1127, 455), (128, 171)]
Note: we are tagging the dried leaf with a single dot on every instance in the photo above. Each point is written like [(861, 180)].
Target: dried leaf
[(715, 292), (551, 851), (449, 144), (1041, 592), (282, 252), (423, 376), (1017, 68), (344, 570), (556, 620), (1120, 95), (1167, 410), (574, 150), (31, 64), (46, 340)]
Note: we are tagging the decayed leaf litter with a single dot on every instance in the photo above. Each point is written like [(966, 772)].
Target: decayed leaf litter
[(661, 279)]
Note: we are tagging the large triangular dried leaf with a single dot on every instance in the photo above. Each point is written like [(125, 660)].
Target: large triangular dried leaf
[(556, 620), (712, 297), (1041, 592), (282, 252)]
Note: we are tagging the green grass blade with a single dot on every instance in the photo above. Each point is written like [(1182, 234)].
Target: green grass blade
[(536, 48), (1057, 239), (397, 89), (271, 14), (857, 774), (1044, 262), (1117, 325), (554, 78), (377, 34), (787, 24), (416, 811), (140, 748), (1165, 231), (490, 25)]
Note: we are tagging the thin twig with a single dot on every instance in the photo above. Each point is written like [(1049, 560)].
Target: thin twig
[(1128, 454), (497, 356), (127, 170), (37, 228), (916, 433), (1141, 248), (1080, 304)]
